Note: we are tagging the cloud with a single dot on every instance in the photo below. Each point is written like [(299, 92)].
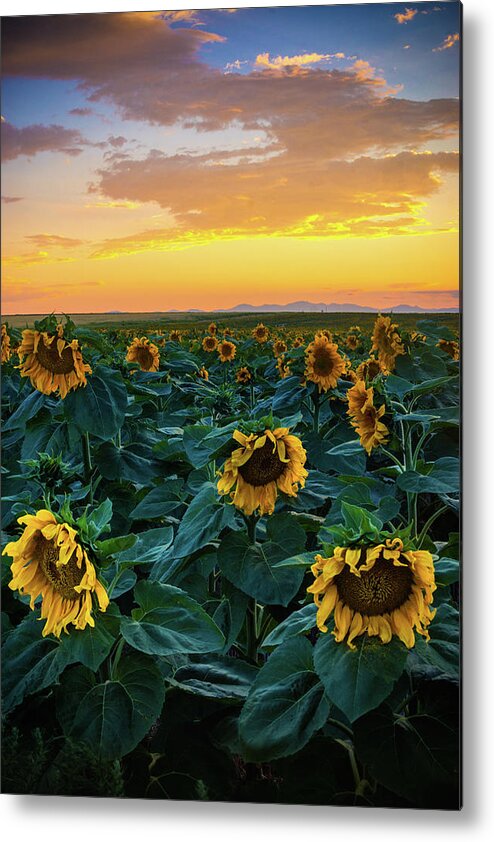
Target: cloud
[(117, 142), (235, 65), (449, 41), (44, 240), (10, 199), (368, 197), (337, 155), (404, 17), (81, 112), (30, 140), (263, 60)]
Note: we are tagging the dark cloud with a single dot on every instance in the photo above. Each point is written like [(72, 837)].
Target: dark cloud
[(30, 140), (7, 200)]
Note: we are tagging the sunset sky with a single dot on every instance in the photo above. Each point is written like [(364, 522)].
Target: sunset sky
[(202, 159)]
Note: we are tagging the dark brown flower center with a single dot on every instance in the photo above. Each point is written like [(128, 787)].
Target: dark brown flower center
[(264, 466), (52, 361), (377, 591), (323, 362), (63, 578), (145, 358)]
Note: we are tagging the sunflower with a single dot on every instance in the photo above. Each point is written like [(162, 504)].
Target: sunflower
[(209, 343), (449, 347), (352, 341), (143, 351), (6, 349), (368, 369), (359, 400), (204, 373), (323, 363), (49, 561), (175, 336), (243, 375), (379, 590), (260, 333), (298, 341), (387, 342), (365, 417), (226, 351), (326, 333), (228, 331), (52, 363), (212, 328), (284, 369), (279, 347), (264, 462)]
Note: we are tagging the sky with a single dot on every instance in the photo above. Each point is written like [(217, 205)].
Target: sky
[(202, 159)]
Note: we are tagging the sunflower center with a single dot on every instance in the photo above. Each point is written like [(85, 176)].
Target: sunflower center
[(377, 591), (64, 578), (323, 362), (144, 357), (52, 361), (264, 466)]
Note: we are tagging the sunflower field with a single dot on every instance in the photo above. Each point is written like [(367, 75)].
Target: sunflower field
[(230, 562)]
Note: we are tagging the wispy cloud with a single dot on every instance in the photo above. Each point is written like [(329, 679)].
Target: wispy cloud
[(7, 200), (44, 240), (449, 41), (264, 60), (407, 15)]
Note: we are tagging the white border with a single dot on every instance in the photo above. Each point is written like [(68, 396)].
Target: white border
[(53, 818)]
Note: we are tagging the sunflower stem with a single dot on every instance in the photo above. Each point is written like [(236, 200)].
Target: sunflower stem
[(250, 629), (251, 528), (429, 523), (88, 465), (252, 396), (317, 408)]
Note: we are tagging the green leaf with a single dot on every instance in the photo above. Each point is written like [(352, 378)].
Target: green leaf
[(149, 548), (442, 652), (98, 408), (252, 568), (113, 717), (217, 677), (443, 476), (358, 680), (99, 519), (447, 571), (303, 560), (26, 410), (123, 463), (31, 662), (203, 443), (299, 622), (90, 646), (204, 519), (112, 546), (169, 622), (285, 706), (415, 757), (159, 501)]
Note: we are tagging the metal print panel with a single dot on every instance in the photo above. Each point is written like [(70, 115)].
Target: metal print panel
[(230, 396)]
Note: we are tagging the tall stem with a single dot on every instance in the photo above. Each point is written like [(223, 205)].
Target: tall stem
[(317, 407), (88, 465)]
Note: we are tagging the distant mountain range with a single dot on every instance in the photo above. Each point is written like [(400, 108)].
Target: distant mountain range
[(310, 307)]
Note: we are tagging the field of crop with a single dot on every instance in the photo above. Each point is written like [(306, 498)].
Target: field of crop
[(231, 557)]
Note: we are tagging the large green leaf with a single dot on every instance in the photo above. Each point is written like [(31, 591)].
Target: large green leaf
[(149, 548), (169, 622), (216, 677), (90, 646), (124, 463), (30, 662), (443, 476), (203, 443), (114, 716), (358, 680), (299, 622), (252, 567), (285, 706), (160, 501), (415, 756), (98, 408), (26, 410), (204, 519), (441, 654)]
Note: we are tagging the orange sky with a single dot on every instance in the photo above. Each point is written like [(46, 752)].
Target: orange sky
[(298, 175)]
